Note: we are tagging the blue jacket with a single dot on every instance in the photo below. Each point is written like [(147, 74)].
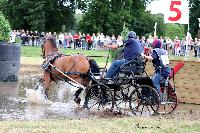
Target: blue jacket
[(132, 49)]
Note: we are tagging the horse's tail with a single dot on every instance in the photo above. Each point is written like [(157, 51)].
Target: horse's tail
[(94, 66)]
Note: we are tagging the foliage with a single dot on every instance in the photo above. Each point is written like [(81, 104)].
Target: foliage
[(161, 26), (117, 53), (173, 30), (124, 32), (109, 16), (194, 15), (4, 28), (78, 18), (42, 15)]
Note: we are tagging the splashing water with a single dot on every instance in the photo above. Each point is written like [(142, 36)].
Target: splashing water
[(37, 96)]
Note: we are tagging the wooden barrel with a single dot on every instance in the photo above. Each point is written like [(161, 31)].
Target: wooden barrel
[(9, 62)]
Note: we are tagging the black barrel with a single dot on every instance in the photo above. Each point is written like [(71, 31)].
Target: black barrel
[(9, 62)]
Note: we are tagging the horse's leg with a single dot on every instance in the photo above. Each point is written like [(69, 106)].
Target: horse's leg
[(47, 80), (77, 99), (84, 82)]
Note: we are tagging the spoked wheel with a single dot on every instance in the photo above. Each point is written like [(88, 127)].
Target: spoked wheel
[(98, 96), (144, 101), (168, 103), (121, 96)]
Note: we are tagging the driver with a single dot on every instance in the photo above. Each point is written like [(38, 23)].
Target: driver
[(132, 50)]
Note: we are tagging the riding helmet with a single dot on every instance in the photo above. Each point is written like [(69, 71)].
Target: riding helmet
[(131, 34)]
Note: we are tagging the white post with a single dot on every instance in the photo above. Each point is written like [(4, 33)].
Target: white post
[(199, 22), (188, 38), (188, 33), (155, 27)]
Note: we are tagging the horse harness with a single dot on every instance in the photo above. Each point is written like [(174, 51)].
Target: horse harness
[(47, 66)]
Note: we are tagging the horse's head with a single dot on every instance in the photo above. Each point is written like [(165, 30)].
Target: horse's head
[(48, 46)]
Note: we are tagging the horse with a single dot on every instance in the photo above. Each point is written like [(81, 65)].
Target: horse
[(57, 66)]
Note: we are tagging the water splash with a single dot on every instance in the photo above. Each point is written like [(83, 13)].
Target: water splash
[(37, 96)]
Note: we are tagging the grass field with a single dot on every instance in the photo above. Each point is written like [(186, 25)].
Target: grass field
[(102, 125), (35, 52), (32, 55)]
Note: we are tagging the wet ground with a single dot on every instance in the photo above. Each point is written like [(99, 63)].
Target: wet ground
[(14, 103)]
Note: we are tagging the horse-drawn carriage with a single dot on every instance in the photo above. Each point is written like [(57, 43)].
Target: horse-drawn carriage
[(132, 89)]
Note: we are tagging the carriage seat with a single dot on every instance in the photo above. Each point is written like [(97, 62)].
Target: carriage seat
[(135, 66)]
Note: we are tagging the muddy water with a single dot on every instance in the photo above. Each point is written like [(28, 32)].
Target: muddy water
[(14, 103)]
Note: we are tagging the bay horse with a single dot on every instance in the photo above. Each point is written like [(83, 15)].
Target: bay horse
[(58, 66)]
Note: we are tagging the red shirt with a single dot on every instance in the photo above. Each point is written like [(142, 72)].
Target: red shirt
[(177, 44), (76, 37), (88, 38)]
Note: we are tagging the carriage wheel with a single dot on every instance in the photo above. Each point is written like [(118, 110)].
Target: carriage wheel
[(121, 96), (144, 101), (98, 96), (168, 106)]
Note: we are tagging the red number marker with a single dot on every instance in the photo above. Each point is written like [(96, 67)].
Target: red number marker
[(173, 9)]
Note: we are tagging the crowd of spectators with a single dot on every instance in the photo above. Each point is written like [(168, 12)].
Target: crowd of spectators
[(176, 46)]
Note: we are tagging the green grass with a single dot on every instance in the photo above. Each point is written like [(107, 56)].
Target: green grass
[(32, 55), (27, 51), (35, 52), (102, 125)]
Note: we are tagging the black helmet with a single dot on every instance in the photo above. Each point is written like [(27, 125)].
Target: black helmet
[(131, 34)]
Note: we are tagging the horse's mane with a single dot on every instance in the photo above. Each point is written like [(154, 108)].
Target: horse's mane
[(52, 39)]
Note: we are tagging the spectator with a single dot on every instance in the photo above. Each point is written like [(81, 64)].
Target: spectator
[(83, 41), (70, 40), (23, 37), (177, 47), (89, 41), (32, 37), (65, 41), (76, 40), (27, 38), (95, 41), (169, 44), (150, 41), (101, 40), (37, 35), (142, 42)]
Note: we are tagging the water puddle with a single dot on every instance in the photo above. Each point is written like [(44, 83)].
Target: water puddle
[(18, 100)]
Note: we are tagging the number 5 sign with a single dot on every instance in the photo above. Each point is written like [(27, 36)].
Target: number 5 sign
[(177, 11)]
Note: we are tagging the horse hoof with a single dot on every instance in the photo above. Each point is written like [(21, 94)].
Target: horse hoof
[(77, 100)]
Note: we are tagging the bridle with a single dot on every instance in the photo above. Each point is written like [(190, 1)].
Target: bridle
[(49, 38)]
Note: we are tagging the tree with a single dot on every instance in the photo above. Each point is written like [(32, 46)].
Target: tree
[(173, 30), (42, 15), (194, 15), (109, 16), (95, 19), (4, 28)]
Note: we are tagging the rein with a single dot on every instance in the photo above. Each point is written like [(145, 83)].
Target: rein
[(80, 85)]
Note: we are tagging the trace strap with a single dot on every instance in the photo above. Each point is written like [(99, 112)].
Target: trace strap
[(80, 85)]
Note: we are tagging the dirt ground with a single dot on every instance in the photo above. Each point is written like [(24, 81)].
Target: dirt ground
[(183, 111)]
